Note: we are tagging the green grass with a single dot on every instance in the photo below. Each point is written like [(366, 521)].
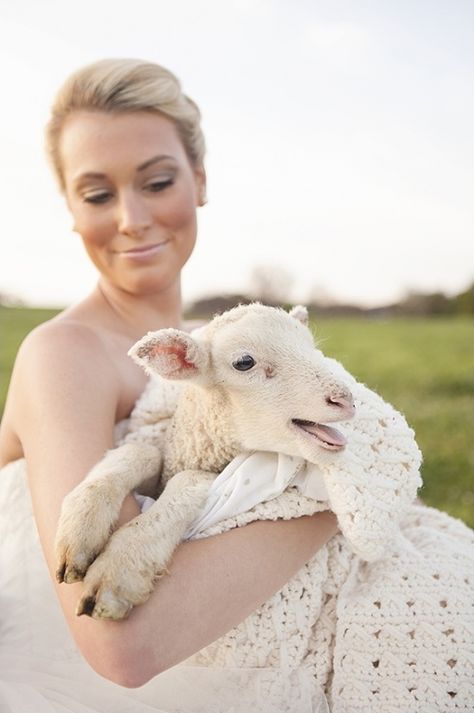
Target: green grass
[(15, 323), (424, 367)]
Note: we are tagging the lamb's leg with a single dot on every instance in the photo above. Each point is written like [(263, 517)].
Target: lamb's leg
[(137, 554), (90, 511)]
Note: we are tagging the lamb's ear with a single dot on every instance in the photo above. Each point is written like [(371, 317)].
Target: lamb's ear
[(170, 353), (300, 313)]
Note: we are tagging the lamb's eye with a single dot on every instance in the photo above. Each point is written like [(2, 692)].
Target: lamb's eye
[(244, 363)]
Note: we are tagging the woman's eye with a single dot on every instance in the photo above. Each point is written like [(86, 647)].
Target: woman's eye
[(96, 197), (157, 186), (244, 363)]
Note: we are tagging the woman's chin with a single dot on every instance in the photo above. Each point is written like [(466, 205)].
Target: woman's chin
[(153, 286), (146, 284)]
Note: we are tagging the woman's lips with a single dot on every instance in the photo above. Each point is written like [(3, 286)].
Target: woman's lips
[(144, 252)]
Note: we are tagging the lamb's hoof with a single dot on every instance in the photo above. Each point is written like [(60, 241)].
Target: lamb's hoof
[(85, 606), (60, 572), (73, 575), (70, 573), (106, 607)]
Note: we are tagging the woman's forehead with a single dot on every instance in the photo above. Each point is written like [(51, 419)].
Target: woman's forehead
[(92, 140)]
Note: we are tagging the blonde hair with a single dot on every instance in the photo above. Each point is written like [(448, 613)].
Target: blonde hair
[(125, 85)]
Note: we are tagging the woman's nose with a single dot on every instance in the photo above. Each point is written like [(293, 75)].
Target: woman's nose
[(133, 216)]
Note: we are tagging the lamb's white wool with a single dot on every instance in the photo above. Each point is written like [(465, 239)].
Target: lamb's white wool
[(381, 616)]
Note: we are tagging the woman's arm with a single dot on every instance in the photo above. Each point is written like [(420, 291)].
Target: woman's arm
[(65, 396)]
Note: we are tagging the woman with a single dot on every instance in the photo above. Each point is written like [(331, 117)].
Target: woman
[(127, 149), (392, 635)]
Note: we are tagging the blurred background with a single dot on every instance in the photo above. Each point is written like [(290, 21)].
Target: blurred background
[(340, 175)]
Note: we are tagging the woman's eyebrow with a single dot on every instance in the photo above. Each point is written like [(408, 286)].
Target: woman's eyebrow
[(151, 161), (89, 174), (141, 167)]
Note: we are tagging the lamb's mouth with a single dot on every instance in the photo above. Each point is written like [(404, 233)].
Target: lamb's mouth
[(327, 436)]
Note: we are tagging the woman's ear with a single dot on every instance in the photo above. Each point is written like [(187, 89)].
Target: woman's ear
[(201, 182)]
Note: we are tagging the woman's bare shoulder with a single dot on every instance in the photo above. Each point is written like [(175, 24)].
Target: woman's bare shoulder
[(61, 334), (63, 348), (60, 364), (67, 356)]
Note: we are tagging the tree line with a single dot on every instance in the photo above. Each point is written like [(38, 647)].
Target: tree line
[(274, 291), (435, 304)]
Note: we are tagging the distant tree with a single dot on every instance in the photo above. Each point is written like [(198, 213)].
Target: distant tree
[(320, 296), (271, 284), (8, 300), (412, 303), (437, 303), (206, 307), (464, 302)]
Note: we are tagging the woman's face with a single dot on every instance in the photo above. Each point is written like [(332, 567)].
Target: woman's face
[(133, 194)]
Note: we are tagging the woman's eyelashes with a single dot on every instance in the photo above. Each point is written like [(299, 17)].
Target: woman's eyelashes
[(101, 197), (154, 186)]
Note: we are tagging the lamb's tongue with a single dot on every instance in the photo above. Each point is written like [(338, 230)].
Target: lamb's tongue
[(325, 433)]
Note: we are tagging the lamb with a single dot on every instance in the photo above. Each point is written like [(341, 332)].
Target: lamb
[(253, 381)]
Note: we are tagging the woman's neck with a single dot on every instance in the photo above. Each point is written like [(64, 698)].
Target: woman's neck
[(130, 315)]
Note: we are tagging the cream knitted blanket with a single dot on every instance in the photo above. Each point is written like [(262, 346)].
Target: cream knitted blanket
[(383, 615)]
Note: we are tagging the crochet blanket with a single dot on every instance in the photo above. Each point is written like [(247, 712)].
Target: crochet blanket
[(382, 616)]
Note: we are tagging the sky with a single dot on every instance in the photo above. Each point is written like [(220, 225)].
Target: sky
[(339, 135)]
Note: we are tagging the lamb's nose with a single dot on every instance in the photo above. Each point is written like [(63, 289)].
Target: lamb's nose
[(342, 400)]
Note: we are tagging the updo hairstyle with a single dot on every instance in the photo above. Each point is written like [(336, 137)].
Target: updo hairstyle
[(119, 86)]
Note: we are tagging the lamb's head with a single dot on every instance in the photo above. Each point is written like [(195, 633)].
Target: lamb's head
[(278, 390)]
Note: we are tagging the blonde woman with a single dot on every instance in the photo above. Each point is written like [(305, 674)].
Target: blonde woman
[(127, 148), (128, 151)]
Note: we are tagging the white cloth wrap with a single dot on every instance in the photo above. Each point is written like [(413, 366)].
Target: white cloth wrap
[(248, 480)]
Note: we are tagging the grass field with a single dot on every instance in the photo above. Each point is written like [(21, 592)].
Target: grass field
[(424, 367)]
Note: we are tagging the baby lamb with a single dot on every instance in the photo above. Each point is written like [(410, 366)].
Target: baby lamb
[(253, 380)]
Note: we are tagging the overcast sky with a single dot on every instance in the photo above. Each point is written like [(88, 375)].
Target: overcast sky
[(340, 139)]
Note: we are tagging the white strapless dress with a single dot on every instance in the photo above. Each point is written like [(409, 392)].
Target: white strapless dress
[(42, 671)]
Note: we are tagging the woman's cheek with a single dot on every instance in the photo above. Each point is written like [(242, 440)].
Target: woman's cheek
[(182, 209), (98, 232)]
